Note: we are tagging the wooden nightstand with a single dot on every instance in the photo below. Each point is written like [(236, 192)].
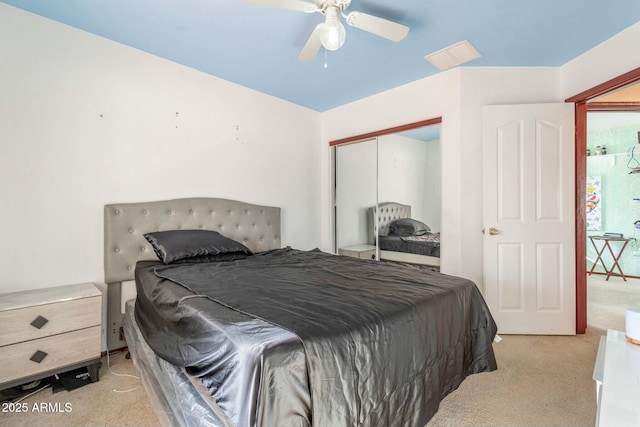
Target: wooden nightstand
[(49, 331), (359, 251)]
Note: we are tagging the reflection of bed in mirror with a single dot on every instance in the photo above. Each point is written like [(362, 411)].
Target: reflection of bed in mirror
[(402, 241)]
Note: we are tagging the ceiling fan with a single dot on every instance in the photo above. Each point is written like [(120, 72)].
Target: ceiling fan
[(331, 33)]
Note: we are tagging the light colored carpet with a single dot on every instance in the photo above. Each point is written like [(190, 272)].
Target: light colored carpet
[(607, 301), (540, 381), (94, 405)]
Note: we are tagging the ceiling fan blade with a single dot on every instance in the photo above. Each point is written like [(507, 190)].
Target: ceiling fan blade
[(311, 48), (298, 5), (378, 26)]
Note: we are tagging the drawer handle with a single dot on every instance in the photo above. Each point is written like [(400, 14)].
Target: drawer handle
[(39, 322), (38, 356)]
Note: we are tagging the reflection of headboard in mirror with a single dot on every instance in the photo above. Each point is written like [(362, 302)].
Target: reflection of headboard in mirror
[(381, 216), (257, 227)]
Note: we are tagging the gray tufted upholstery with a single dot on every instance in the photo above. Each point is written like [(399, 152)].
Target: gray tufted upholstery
[(384, 213), (257, 227)]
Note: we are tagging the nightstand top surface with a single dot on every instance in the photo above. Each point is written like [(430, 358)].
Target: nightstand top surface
[(30, 298)]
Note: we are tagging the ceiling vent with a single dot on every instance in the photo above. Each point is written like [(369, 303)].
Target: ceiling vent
[(453, 55)]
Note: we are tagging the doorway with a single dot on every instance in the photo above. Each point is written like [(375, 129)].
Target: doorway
[(612, 207), (594, 100)]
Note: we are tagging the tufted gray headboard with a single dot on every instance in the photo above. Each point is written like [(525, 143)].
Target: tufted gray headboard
[(380, 217), (255, 226)]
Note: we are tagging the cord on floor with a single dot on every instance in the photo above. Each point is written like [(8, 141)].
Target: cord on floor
[(121, 375)]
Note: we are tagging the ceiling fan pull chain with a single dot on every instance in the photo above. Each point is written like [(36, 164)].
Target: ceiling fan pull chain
[(325, 59)]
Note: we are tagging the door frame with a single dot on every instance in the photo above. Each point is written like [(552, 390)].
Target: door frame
[(387, 131), (584, 102)]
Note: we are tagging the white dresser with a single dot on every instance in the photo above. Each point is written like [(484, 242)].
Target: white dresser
[(48, 331), (617, 374)]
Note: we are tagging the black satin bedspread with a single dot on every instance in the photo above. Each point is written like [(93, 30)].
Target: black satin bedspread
[(402, 244), (383, 343)]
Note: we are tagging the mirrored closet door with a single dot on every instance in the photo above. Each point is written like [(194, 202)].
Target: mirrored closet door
[(356, 168), (388, 195)]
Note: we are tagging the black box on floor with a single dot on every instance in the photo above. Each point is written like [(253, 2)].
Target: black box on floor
[(71, 380), (66, 381)]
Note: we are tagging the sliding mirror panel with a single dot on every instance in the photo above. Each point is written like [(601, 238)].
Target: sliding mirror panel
[(356, 192), (409, 204)]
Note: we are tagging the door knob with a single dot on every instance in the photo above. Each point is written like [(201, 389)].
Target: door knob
[(493, 231)]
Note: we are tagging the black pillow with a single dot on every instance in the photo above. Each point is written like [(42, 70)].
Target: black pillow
[(175, 246), (404, 227)]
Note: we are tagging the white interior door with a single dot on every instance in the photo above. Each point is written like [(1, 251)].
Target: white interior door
[(528, 215)]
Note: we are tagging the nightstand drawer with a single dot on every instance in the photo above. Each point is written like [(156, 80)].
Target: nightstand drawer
[(61, 350), (49, 319)]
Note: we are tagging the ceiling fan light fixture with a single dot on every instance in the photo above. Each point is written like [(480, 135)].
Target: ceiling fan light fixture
[(333, 37), (333, 33)]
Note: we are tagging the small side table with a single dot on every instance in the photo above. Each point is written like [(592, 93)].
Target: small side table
[(50, 331), (359, 251), (616, 257)]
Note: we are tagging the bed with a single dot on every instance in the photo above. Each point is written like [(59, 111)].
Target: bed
[(416, 247), (287, 337)]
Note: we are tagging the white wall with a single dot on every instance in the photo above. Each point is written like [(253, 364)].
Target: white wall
[(457, 96), (85, 121), (604, 62), (404, 175), (490, 86), (427, 98)]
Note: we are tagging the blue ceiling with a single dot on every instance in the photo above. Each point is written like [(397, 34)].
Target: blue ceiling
[(258, 47)]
